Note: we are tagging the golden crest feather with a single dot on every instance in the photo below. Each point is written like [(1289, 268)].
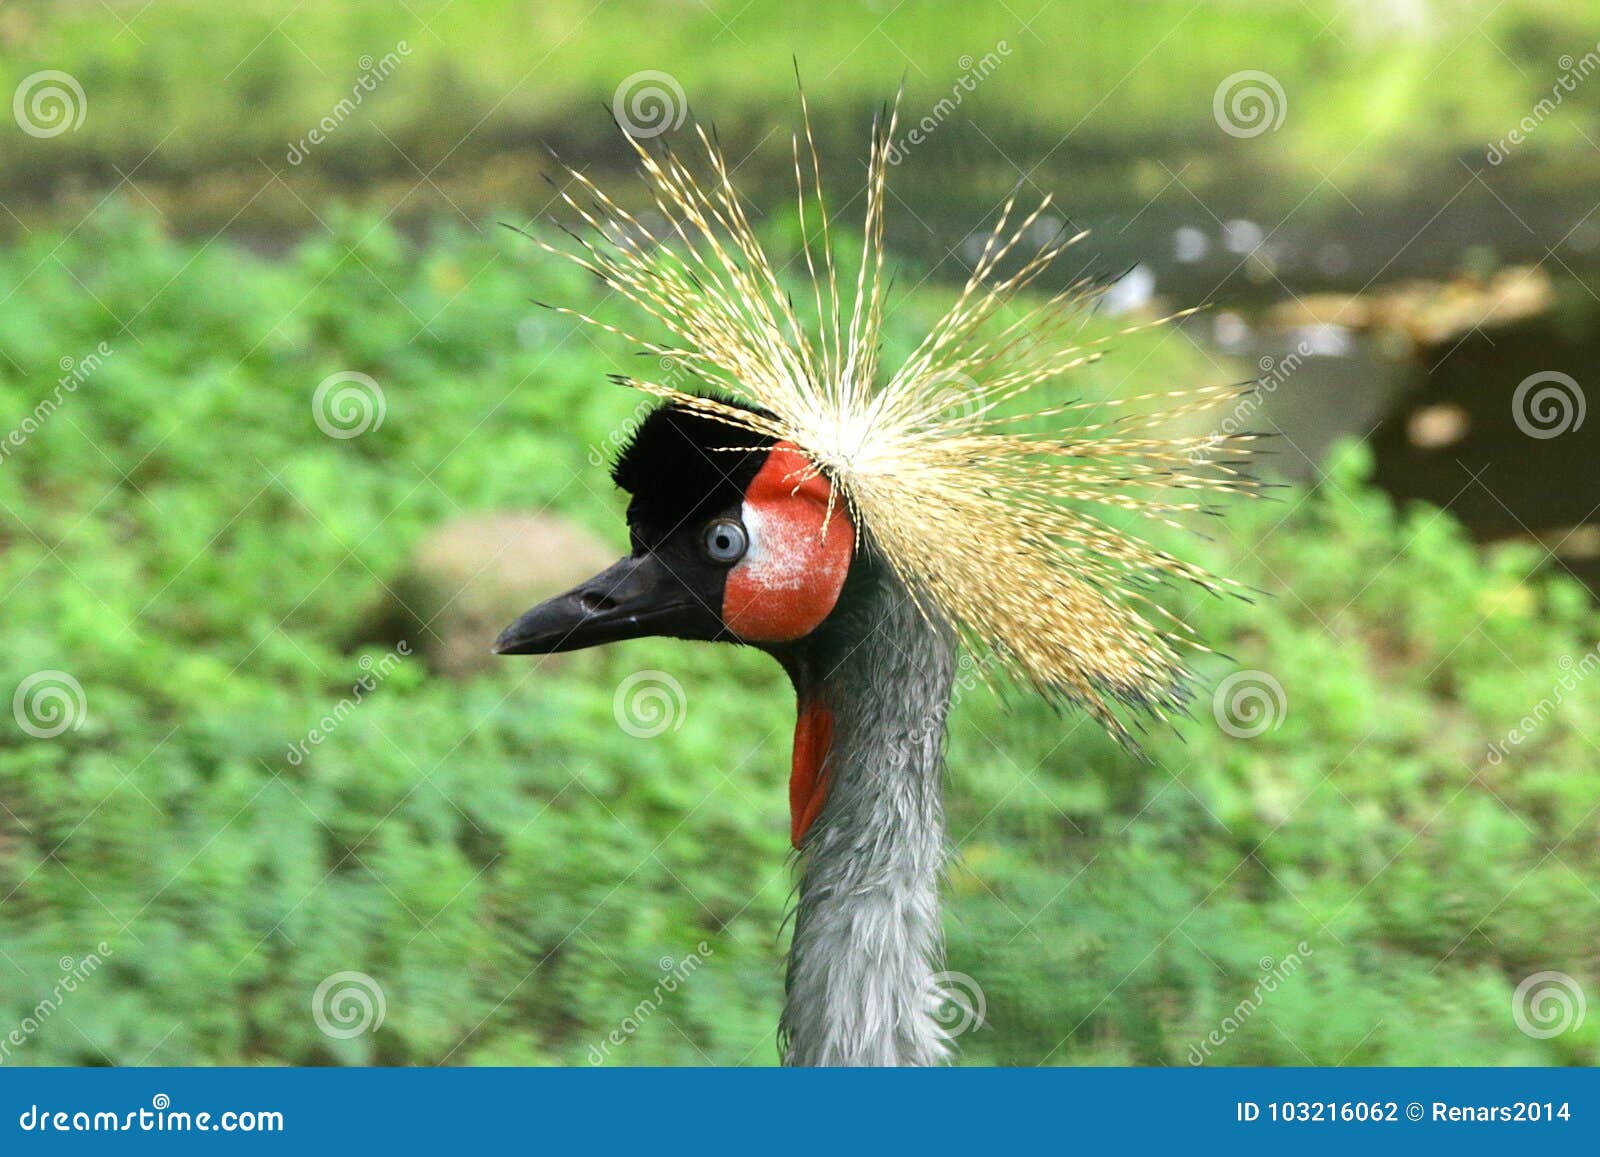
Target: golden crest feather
[(999, 530)]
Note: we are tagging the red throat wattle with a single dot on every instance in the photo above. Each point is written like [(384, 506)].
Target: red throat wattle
[(808, 777), (787, 583)]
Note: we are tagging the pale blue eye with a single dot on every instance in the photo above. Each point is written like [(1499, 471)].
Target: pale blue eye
[(725, 541)]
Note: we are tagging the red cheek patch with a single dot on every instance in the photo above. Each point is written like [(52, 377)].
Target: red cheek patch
[(792, 573)]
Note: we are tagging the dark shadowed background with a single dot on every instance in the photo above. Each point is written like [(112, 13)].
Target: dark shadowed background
[(285, 443)]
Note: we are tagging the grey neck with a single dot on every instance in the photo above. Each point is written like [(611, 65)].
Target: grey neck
[(868, 948)]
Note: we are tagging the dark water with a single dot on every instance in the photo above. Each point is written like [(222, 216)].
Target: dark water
[(1527, 463)]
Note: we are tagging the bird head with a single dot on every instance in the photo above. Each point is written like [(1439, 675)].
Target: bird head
[(734, 537), (1004, 509)]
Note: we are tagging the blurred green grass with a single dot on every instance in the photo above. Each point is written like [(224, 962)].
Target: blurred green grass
[(512, 868), (1377, 99)]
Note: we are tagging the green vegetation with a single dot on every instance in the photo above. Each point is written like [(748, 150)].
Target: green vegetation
[(512, 868), (1371, 102)]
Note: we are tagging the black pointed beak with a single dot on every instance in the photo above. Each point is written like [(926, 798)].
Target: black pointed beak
[(633, 597)]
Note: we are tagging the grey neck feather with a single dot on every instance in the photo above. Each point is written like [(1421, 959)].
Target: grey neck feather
[(868, 945)]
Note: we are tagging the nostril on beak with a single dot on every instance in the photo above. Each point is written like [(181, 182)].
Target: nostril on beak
[(593, 602)]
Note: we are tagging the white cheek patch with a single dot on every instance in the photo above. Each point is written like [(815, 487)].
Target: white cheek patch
[(780, 552)]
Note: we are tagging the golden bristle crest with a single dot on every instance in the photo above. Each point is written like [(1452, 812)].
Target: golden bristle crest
[(1007, 533)]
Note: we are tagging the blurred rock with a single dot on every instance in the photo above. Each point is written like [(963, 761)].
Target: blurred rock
[(1434, 427), (1428, 313), (1570, 543), (472, 576), (1346, 309)]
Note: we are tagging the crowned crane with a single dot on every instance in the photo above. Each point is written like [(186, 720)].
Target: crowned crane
[(861, 526)]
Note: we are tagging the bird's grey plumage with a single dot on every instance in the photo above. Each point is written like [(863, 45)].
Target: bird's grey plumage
[(868, 947)]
